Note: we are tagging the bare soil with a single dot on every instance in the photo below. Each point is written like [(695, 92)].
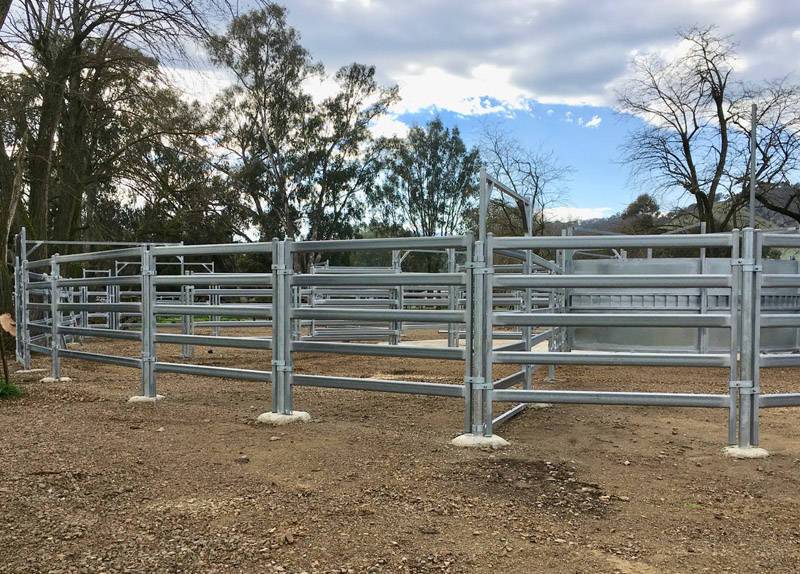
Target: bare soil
[(90, 483)]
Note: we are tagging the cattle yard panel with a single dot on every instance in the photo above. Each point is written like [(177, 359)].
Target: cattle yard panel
[(496, 312)]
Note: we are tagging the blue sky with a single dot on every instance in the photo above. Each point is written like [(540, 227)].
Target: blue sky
[(598, 182), (510, 61)]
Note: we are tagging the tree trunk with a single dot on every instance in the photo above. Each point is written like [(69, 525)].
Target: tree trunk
[(41, 153), (5, 6), (11, 182), (72, 166)]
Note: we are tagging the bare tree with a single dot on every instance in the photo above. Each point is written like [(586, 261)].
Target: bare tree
[(696, 130), (777, 147), (536, 174)]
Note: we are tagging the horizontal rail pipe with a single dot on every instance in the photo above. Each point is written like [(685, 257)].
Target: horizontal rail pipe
[(213, 249), (612, 359), (215, 341), (780, 280), (614, 319), (616, 241), (772, 320), (777, 400), (381, 385), (350, 314), (779, 240), (613, 398), (216, 310), (609, 281), (208, 371), (101, 333), (215, 279), (451, 242), (118, 307), (379, 350), (131, 362), (510, 380), (388, 279), (94, 281)]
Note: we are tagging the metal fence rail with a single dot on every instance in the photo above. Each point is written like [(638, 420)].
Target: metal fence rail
[(527, 302)]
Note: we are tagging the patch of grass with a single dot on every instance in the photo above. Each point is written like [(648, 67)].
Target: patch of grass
[(9, 390)]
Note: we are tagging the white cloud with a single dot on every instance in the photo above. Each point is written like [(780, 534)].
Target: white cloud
[(388, 126), (594, 122), (430, 86), (551, 51), (198, 84), (566, 213)]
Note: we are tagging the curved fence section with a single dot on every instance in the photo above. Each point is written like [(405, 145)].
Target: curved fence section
[(531, 302)]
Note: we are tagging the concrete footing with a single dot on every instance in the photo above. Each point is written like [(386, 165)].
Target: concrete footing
[(55, 380), (742, 452), (469, 440), (279, 419), (145, 399), (23, 372)]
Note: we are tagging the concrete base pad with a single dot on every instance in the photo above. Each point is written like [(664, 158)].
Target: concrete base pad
[(540, 405), (745, 452), (55, 380), (278, 419), (23, 372), (145, 399), (469, 440)]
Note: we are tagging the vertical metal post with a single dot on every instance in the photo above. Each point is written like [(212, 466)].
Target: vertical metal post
[(477, 340), (297, 301), (84, 298), (148, 322), (569, 333), (397, 326), (23, 318), (55, 318), (17, 300), (746, 348), (469, 329), (187, 322), (488, 331), (281, 327), (483, 205), (116, 297), (452, 301), (215, 300), (527, 302), (753, 149), (756, 355), (735, 334), (702, 332)]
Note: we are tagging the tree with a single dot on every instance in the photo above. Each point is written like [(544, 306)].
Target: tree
[(429, 181), (56, 41), (641, 216), (696, 126), (533, 174), (299, 165)]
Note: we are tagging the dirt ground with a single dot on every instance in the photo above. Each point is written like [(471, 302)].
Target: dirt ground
[(90, 483)]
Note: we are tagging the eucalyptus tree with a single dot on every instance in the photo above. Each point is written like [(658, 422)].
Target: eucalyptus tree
[(301, 164), (429, 181)]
